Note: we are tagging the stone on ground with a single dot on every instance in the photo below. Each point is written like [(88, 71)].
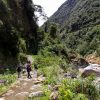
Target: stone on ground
[(36, 87), (10, 92), (41, 78), (21, 96), (36, 94)]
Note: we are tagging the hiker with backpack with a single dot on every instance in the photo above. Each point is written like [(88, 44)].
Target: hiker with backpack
[(29, 69)]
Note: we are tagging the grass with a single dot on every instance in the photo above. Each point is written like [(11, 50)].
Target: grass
[(9, 78), (78, 89)]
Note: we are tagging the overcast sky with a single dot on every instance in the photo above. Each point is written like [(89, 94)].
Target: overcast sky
[(50, 6)]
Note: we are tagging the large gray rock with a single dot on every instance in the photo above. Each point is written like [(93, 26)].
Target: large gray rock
[(91, 69)]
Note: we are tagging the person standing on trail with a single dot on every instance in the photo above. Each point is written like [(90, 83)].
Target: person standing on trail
[(19, 70), (29, 69)]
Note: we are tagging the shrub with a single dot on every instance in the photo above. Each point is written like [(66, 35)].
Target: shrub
[(79, 87), (9, 78), (22, 57)]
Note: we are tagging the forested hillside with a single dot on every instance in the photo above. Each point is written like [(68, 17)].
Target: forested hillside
[(18, 29), (79, 22)]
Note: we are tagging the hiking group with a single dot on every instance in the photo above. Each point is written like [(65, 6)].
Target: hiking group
[(28, 68)]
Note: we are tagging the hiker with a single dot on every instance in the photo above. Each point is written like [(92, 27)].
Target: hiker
[(19, 70), (29, 69), (35, 70)]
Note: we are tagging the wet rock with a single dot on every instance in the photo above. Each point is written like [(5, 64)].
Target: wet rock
[(21, 96), (36, 94), (54, 96)]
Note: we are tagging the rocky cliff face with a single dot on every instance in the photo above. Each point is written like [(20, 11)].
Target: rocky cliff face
[(18, 28)]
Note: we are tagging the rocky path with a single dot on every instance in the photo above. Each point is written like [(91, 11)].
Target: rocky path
[(25, 88)]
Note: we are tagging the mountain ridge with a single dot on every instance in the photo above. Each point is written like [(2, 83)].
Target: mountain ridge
[(73, 11)]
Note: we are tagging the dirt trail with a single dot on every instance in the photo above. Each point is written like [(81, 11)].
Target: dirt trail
[(25, 87)]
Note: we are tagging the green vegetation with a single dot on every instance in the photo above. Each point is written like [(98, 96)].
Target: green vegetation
[(80, 29), (18, 29), (50, 68), (78, 89), (85, 41), (69, 89), (9, 79)]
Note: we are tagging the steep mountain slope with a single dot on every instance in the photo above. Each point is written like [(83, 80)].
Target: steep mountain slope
[(77, 13), (80, 25), (18, 28), (63, 12)]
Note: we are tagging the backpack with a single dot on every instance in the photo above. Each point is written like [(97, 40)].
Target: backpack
[(29, 68)]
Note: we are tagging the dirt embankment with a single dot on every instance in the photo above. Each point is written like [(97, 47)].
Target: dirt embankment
[(93, 59)]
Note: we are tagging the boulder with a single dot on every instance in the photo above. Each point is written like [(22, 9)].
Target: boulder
[(21, 96), (36, 94), (91, 69)]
